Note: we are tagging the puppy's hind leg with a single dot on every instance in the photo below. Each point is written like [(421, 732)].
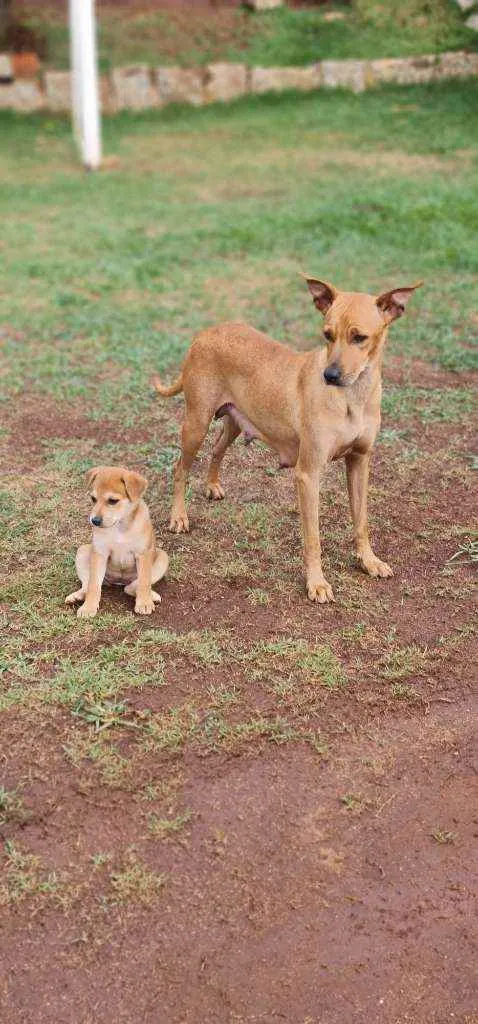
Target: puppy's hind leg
[(82, 562), (228, 435), (159, 569)]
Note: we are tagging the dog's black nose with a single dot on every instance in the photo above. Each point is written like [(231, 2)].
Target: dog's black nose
[(96, 520), (332, 374)]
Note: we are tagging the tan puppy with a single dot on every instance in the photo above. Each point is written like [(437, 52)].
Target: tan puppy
[(123, 550), (310, 407)]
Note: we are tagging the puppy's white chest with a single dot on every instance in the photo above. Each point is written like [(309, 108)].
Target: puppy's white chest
[(118, 545), (120, 540)]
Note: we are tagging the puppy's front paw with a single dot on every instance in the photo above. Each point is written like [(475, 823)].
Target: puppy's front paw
[(87, 611), (374, 567), (144, 605), (320, 591), (179, 522), (215, 492)]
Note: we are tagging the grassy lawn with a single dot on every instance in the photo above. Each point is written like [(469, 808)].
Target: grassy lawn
[(136, 753), (280, 37)]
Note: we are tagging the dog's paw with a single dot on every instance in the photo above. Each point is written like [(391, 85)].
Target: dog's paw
[(374, 567), (77, 595), (179, 523), (215, 492), (144, 605), (320, 591), (87, 611), (156, 597)]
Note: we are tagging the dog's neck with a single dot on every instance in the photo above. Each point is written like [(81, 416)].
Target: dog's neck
[(365, 383), (361, 389), (125, 524)]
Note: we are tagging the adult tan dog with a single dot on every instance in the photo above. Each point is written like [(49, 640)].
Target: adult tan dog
[(123, 549), (310, 407)]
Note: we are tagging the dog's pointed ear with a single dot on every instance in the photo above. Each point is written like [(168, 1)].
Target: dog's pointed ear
[(134, 484), (91, 474), (392, 304), (323, 293)]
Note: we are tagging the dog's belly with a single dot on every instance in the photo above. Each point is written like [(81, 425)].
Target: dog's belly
[(251, 433), (120, 569), (287, 451), (339, 453)]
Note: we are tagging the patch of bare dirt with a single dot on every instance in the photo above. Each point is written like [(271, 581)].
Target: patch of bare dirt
[(35, 419), (337, 889), (289, 906), (426, 375)]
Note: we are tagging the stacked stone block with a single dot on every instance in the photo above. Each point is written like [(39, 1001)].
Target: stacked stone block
[(140, 87)]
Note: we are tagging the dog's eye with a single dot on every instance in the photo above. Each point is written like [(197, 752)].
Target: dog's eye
[(358, 338), (93, 499), (328, 335), (113, 501)]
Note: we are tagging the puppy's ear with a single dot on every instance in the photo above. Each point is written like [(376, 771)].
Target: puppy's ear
[(91, 474), (134, 484), (323, 293), (392, 304)]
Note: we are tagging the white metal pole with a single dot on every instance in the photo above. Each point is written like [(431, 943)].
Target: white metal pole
[(85, 100), (75, 70)]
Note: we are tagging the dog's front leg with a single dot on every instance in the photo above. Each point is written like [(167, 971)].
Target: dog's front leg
[(144, 604), (358, 464), (307, 475), (90, 606)]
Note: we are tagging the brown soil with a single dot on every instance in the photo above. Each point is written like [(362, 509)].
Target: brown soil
[(282, 901)]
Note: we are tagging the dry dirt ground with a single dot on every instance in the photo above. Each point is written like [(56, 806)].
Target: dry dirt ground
[(267, 810)]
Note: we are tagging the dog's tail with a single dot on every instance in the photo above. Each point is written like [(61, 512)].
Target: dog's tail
[(173, 389)]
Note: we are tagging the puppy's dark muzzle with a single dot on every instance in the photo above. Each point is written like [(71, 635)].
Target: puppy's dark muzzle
[(332, 374), (96, 521)]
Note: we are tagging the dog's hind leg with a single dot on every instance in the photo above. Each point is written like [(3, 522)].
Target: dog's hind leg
[(195, 428), (230, 430), (158, 570), (82, 563)]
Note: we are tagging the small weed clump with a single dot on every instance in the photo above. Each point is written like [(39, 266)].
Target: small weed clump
[(24, 877), (136, 883)]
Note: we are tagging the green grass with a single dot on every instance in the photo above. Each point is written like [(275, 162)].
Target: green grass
[(135, 882), (24, 877), (402, 662), (11, 807), (353, 802), (431, 405), (383, 197), (401, 691), (316, 662), (467, 552), (167, 828), (87, 685), (303, 36), (280, 37)]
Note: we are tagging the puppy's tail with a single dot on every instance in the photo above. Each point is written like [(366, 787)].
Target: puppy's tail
[(173, 389)]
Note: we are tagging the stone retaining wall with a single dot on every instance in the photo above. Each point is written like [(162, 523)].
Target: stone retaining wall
[(141, 87)]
